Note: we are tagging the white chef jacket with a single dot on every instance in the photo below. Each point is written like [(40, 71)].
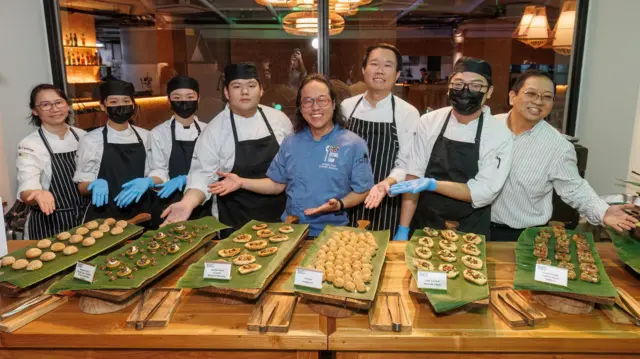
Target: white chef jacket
[(215, 149), (407, 119), (161, 144), (496, 144)]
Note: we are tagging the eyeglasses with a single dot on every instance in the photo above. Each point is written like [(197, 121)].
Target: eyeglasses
[(534, 96), (460, 85), (322, 101), (48, 106)]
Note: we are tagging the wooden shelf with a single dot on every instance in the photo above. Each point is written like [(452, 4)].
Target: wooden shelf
[(81, 47), (86, 65)]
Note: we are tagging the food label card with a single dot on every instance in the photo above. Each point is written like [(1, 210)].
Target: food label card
[(85, 272), (432, 280), (308, 278), (217, 270), (551, 275)]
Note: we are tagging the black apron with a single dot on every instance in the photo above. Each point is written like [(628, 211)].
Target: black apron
[(121, 162), (456, 162), (382, 141), (252, 159), (70, 204)]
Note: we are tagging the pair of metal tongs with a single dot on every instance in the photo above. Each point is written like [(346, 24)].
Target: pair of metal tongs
[(21, 306)]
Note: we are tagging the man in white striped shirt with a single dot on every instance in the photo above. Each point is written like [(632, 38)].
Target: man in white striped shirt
[(543, 160)]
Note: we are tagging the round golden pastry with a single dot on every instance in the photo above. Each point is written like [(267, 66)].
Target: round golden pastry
[(47, 256), (350, 286), (82, 231), (88, 242), (97, 234), (116, 230), (104, 228), (338, 282), (260, 226), (143, 262), (158, 236), (34, 265), (76, 238), (122, 224), (123, 271), (92, 225), (43, 243), (330, 277), (20, 264), (132, 251), (174, 248), (8, 260), (361, 287), (109, 221), (112, 263), (70, 250), (35, 252), (63, 236), (286, 229), (153, 245)]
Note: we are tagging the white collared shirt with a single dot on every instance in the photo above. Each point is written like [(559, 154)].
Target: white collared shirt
[(89, 155), (161, 144), (543, 160), (34, 162), (216, 150), (407, 119), (495, 150)]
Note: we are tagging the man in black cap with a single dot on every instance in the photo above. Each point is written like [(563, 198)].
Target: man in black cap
[(463, 155), (242, 139)]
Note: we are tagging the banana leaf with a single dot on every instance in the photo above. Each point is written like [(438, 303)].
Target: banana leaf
[(382, 239), (526, 265), (23, 278), (459, 290), (628, 248), (193, 278), (202, 227)]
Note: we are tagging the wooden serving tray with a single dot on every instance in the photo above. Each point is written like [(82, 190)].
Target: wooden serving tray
[(165, 299), (415, 292), (390, 314), (19, 320), (272, 313)]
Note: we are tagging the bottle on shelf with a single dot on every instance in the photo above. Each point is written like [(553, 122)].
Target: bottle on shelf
[(99, 58), (82, 39), (66, 39), (83, 60), (66, 59), (75, 39)]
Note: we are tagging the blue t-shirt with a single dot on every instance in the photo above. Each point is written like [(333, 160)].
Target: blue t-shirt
[(316, 171)]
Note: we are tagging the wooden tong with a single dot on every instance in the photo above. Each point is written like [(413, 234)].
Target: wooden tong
[(145, 315), (512, 303), (393, 304), (266, 316)]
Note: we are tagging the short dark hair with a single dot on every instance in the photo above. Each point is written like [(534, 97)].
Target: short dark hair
[(383, 46), (35, 120), (300, 123), (520, 80)]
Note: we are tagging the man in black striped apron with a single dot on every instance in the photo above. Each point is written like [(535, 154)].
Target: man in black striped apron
[(387, 124)]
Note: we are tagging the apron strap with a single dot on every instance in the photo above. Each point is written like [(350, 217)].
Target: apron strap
[(393, 109), (104, 134), (44, 139), (479, 130), (173, 129), (235, 131), (355, 107), (266, 122), (197, 126), (74, 134), (446, 122), (137, 135)]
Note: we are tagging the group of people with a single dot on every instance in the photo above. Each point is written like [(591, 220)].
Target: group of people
[(370, 157)]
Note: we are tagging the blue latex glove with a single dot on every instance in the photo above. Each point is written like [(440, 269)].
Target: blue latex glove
[(402, 234), (133, 190), (414, 186), (176, 183), (99, 192)]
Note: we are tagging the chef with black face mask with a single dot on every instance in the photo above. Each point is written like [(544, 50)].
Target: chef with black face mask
[(173, 141), (460, 157), (112, 165)]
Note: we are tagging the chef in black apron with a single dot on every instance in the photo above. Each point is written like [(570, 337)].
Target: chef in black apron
[(387, 124), (242, 139), (46, 162), (463, 154), (113, 166), (173, 142)]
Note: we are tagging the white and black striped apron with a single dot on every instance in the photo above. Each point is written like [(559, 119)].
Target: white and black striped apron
[(70, 205), (382, 141)]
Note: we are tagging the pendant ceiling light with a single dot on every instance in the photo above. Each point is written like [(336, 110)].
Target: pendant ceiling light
[(305, 23), (525, 21), (344, 8), (277, 3), (563, 32), (538, 32)]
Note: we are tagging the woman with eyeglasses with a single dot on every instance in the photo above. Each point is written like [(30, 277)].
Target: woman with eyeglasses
[(323, 167), (46, 162)]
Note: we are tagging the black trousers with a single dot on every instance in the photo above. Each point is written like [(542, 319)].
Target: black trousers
[(504, 233)]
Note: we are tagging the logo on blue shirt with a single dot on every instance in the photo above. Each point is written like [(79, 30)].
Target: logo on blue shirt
[(330, 157)]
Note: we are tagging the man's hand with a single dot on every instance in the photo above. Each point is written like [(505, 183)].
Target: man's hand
[(45, 201), (331, 206), (231, 183), (376, 195), (616, 218)]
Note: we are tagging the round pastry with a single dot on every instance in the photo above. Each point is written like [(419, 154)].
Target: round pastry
[(269, 251), (470, 249), (63, 236), (70, 250), (286, 229), (20, 264), (116, 230), (173, 248), (430, 232), (472, 238), (265, 233), (256, 245), (35, 252), (475, 277), (338, 282), (426, 241), (259, 226), (423, 265), (122, 224), (7, 261), (112, 263), (34, 265), (132, 251), (97, 234), (124, 271), (82, 231), (447, 256), (185, 236), (243, 238), (449, 235), (104, 228), (92, 225), (248, 268), (88, 242), (159, 236), (361, 287), (423, 252), (109, 221), (450, 269), (571, 274), (279, 238), (472, 262), (143, 262), (47, 256), (229, 252), (447, 245), (153, 245), (244, 259), (179, 227), (350, 286), (44, 243), (76, 238)]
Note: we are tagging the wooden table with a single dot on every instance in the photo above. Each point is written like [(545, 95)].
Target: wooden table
[(482, 334), (199, 326)]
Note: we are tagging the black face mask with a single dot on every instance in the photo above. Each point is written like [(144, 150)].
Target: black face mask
[(120, 114), (464, 101), (184, 109)]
